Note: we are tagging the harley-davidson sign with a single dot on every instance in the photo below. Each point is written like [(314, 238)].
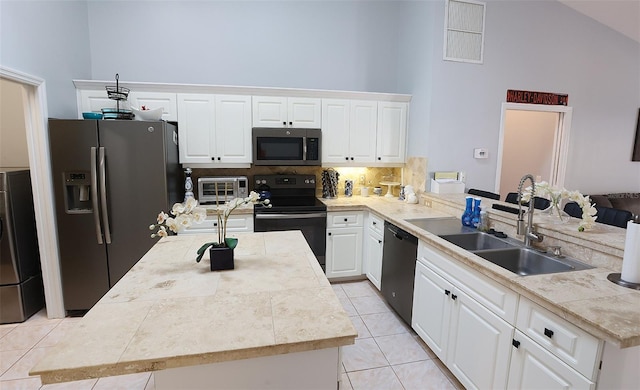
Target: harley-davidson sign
[(531, 97)]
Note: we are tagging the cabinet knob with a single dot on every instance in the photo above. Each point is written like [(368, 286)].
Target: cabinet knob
[(379, 241), (346, 158), (345, 219), (290, 123), (454, 296), (351, 158), (218, 158), (215, 224), (548, 332), (447, 292), (284, 123), (379, 158), (374, 222), (329, 233), (515, 343), (213, 159)]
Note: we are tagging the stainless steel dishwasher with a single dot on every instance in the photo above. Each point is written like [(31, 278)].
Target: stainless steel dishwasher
[(398, 269)]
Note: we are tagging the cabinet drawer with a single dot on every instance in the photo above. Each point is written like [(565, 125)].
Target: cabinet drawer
[(210, 225), (574, 346), (376, 224), (497, 298), (345, 219)]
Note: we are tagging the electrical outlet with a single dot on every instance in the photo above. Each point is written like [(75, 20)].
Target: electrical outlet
[(427, 202), (361, 180)]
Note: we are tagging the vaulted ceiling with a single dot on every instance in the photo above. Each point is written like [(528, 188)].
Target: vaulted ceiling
[(620, 15)]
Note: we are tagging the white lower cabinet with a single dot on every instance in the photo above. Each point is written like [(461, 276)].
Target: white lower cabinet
[(533, 367), (473, 342), (373, 244), (344, 244)]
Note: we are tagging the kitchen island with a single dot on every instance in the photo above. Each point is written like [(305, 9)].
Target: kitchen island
[(272, 322)]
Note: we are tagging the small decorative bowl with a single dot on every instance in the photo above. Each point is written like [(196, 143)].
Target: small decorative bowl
[(148, 115), (92, 115)]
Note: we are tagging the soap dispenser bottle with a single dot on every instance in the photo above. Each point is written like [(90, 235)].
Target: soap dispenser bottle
[(468, 212), (475, 219)]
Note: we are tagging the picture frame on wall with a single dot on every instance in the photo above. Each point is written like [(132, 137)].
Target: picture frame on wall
[(636, 145)]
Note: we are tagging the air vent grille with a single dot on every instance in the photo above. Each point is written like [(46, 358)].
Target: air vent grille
[(464, 31)]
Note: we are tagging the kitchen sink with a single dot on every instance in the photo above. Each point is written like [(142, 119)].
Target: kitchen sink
[(525, 261), (440, 226), (476, 241)]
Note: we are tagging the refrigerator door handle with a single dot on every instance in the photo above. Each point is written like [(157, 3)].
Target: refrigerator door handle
[(103, 196), (94, 195)]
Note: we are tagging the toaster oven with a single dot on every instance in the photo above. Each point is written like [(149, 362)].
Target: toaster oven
[(221, 189)]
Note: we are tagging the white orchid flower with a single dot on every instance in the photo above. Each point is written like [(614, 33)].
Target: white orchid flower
[(171, 224), (177, 209), (162, 232), (183, 221), (162, 217), (189, 205)]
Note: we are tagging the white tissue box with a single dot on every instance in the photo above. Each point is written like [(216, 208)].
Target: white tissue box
[(447, 186)]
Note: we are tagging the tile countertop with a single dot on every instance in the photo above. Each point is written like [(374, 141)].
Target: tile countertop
[(169, 312), (585, 298)]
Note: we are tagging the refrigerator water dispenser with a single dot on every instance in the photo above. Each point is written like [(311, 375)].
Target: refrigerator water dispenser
[(77, 197)]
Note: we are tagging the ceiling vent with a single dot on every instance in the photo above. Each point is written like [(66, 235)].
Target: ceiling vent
[(464, 31)]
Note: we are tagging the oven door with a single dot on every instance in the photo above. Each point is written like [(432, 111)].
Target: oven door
[(312, 224)]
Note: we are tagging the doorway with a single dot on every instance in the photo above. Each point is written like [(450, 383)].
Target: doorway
[(533, 139), (35, 123)]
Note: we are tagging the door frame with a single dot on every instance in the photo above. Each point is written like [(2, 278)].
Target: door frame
[(560, 142), (35, 112)]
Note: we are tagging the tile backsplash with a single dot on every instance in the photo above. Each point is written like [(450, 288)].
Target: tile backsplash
[(372, 176)]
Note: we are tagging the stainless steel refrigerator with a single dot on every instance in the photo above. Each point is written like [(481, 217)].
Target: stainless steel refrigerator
[(21, 290), (111, 179)]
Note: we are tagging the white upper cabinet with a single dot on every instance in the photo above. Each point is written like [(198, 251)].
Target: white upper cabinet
[(152, 100), (233, 129), (392, 132), (93, 101), (348, 132), (196, 128), (274, 111), (214, 129)]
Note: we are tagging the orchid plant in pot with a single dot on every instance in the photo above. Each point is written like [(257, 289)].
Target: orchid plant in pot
[(181, 216), (555, 196), (221, 251)]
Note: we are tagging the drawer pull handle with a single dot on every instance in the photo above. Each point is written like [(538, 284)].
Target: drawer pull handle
[(447, 292), (516, 343), (548, 332)]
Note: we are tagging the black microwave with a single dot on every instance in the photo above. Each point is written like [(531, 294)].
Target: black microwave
[(275, 146)]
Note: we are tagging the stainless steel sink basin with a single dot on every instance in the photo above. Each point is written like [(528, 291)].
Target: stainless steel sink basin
[(440, 226), (476, 241), (524, 261)]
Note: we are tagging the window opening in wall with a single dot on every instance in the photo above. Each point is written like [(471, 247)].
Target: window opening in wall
[(464, 31)]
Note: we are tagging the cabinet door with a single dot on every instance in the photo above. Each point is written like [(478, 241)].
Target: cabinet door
[(392, 132), (269, 111), (153, 100), (196, 128), (479, 344), (233, 129), (431, 309), (95, 101), (335, 131), (362, 131), (533, 367), (344, 252), (304, 113), (372, 261)]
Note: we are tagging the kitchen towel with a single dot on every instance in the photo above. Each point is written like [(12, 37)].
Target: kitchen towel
[(631, 258)]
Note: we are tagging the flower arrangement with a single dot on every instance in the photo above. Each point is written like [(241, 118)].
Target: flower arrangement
[(223, 216), (182, 216), (556, 195)]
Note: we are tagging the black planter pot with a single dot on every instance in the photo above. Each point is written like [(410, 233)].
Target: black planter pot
[(221, 258)]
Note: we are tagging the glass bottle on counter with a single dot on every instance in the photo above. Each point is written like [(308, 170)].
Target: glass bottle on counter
[(468, 212)]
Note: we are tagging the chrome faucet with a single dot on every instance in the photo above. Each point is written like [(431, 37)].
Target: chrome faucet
[(529, 231)]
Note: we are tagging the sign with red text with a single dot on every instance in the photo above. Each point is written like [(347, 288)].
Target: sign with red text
[(532, 97)]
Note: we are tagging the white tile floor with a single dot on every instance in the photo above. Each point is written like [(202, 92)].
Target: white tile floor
[(386, 355)]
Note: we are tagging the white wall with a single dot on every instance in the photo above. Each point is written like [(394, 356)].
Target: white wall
[(530, 45), (345, 45), (49, 40)]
